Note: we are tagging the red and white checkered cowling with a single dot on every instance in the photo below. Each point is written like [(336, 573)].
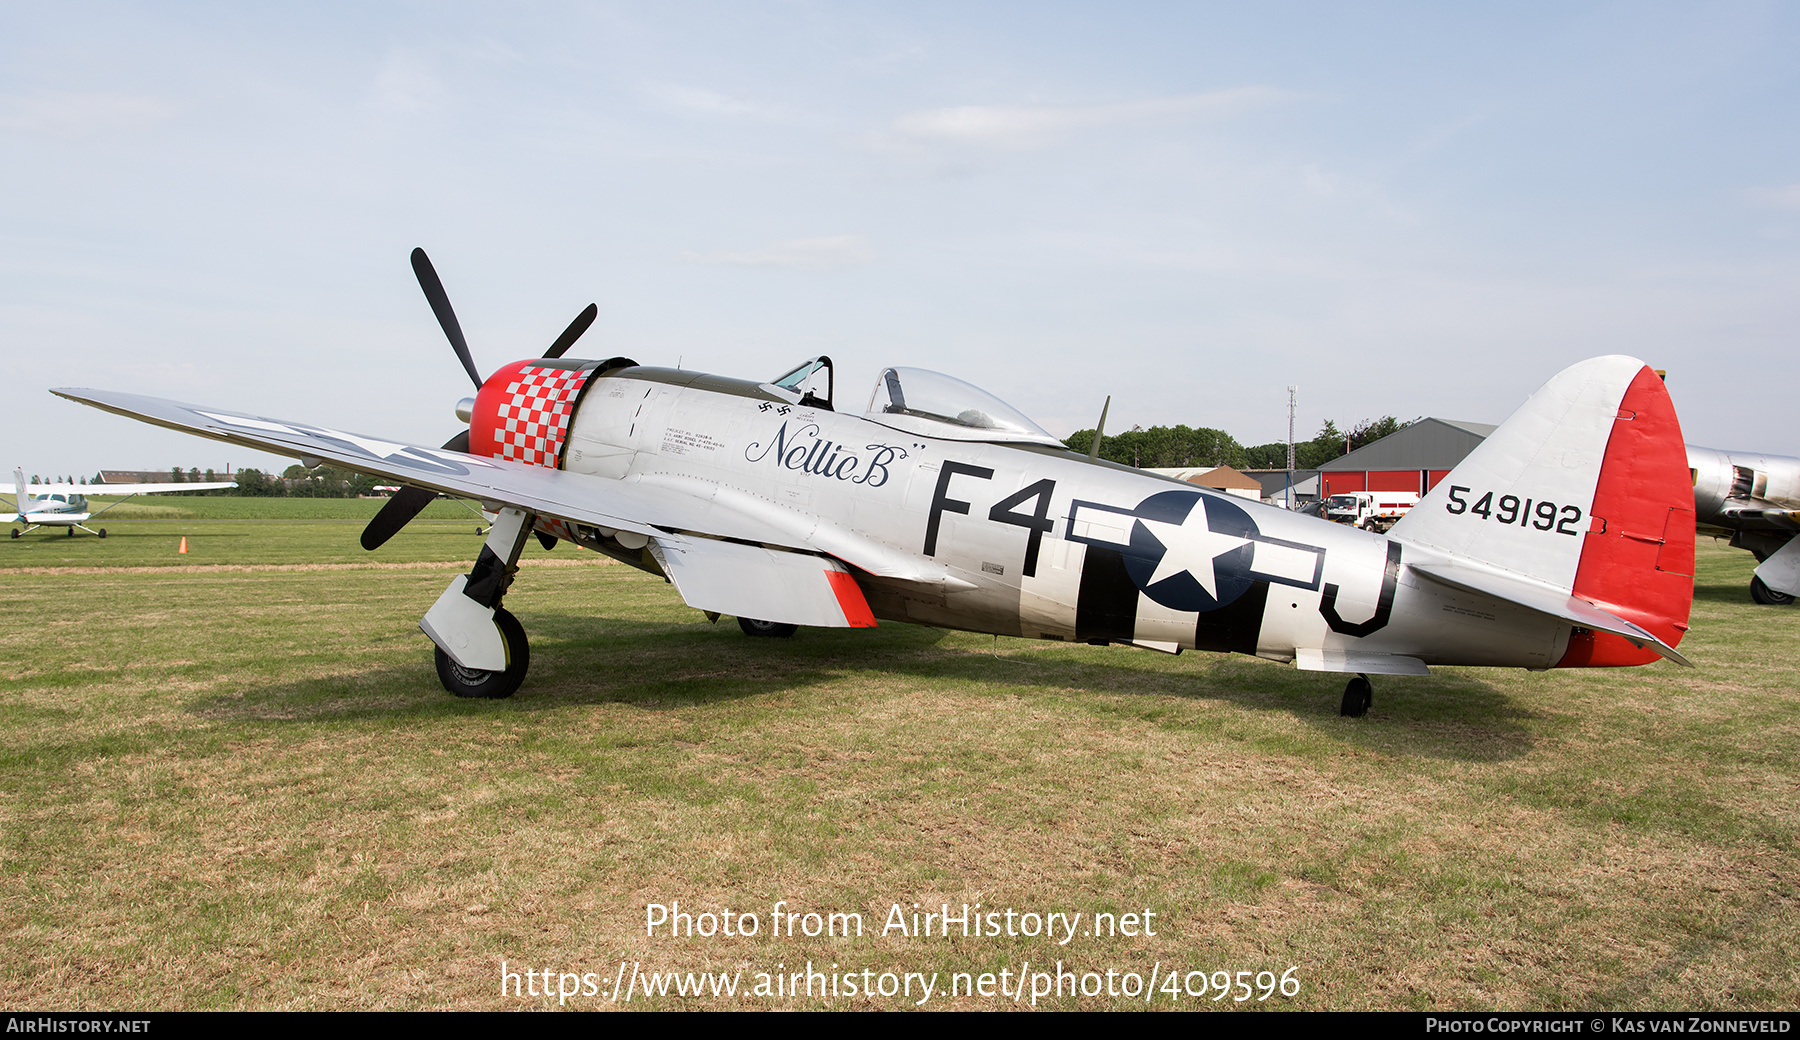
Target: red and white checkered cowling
[(522, 412)]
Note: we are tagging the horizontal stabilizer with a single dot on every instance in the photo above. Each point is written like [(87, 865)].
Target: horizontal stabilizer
[(749, 581), (1544, 600)]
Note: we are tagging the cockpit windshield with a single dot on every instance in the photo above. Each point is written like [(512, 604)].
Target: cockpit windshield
[(920, 401)]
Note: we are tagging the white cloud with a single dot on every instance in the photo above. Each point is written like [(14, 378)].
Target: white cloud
[(404, 84), (831, 252), (81, 115), (708, 102), (1779, 198), (1034, 126)]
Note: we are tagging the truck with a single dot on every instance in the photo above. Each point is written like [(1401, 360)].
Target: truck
[(1370, 510)]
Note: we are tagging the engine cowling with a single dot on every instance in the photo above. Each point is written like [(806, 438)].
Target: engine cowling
[(522, 412)]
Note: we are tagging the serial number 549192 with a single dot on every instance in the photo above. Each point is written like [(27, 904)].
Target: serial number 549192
[(1538, 515)]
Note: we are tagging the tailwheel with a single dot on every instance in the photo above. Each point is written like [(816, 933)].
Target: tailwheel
[(1359, 693), (1768, 597), (766, 629), (475, 682)]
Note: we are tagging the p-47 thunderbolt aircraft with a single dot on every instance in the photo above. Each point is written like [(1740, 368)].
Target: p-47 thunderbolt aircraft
[(66, 505), (1565, 539), (1756, 500)]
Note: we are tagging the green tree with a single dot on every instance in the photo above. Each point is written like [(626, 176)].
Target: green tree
[(1164, 447), (257, 484), (1371, 430), (1267, 456)]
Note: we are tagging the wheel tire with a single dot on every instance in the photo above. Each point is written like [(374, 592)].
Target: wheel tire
[(103, 532), (766, 629), (70, 531), (15, 532), (1359, 694), (474, 682), (1768, 597)]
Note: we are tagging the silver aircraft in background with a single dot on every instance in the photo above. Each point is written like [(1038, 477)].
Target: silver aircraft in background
[(1756, 500)]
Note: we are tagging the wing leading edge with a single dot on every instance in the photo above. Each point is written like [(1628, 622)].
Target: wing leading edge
[(790, 571)]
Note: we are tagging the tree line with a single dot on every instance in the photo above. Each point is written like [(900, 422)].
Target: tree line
[(300, 482), (1172, 447)]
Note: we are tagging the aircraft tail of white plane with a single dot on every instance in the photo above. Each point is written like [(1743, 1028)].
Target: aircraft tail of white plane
[(1580, 505), (21, 499)]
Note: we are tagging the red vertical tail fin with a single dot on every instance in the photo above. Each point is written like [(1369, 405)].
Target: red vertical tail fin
[(1637, 559)]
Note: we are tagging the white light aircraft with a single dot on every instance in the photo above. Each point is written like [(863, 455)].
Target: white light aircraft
[(1565, 540), (66, 505)]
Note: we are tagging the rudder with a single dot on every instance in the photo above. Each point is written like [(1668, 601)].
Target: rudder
[(1637, 560)]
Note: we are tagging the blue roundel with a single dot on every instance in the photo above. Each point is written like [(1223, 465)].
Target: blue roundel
[(1182, 590)]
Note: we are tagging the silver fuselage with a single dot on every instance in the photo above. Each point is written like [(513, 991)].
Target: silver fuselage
[(1039, 542)]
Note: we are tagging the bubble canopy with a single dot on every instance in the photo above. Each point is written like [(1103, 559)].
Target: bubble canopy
[(919, 401)]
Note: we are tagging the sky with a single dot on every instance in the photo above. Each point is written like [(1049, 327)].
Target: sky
[(1406, 209)]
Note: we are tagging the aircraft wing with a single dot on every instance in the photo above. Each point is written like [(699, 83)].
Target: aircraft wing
[(151, 489), (1544, 600), (663, 510), (1754, 515), (9, 487)]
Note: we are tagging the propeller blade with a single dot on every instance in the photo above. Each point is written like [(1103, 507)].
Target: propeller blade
[(440, 306), (573, 332), (405, 504)]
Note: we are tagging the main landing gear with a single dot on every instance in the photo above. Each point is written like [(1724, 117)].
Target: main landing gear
[(1359, 693), (766, 629), (481, 648), (476, 682), (1768, 597)]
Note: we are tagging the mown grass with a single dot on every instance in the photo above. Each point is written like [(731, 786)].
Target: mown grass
[(240, 785)]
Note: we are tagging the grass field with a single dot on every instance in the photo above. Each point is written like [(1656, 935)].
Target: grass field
[(231, 780)]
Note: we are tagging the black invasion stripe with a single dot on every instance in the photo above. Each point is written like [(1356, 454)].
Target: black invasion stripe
[(1235, 627), (1106, 607)]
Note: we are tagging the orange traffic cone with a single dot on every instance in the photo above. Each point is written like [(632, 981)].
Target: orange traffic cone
[(183, 550)]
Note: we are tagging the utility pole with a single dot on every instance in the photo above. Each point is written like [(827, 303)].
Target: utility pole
[(1290, 480)]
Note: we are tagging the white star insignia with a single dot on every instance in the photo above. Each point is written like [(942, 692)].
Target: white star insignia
[(1192, 547), (379, 448)]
